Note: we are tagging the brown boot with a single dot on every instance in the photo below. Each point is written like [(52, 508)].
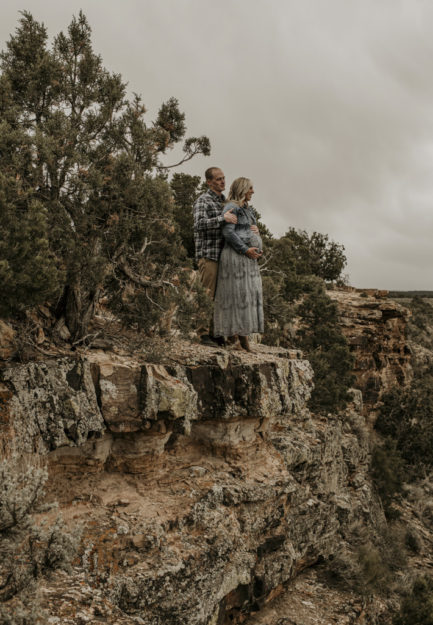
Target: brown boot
[(231, 340), (245, 343), (232, 343)]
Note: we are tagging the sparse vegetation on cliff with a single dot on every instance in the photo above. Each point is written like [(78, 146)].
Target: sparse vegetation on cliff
[(406, 414), (387, 472), (406, 417), (299, 312), (210, 483), (29, 549), (417, 606)]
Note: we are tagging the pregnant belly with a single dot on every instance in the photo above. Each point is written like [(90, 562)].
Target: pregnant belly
[(256, 241)]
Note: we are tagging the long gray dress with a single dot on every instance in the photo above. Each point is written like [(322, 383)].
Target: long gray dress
[(238, 298)]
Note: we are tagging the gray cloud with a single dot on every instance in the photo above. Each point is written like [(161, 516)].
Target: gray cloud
[(326, 105)]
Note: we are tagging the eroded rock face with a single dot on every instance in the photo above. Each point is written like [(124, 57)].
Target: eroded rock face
[(375, 330), (51, 404), (138, 407), (206, 537), (255, 390), (132, 394), (204, 486)]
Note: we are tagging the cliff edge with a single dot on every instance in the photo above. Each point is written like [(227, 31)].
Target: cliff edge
[(203, 484)]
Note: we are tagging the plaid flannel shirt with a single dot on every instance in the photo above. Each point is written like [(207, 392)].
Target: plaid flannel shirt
[(208, 218)]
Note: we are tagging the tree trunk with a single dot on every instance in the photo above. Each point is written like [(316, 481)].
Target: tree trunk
[(79, 309)]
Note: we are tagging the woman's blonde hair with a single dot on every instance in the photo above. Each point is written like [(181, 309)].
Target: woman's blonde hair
[(238, 190)]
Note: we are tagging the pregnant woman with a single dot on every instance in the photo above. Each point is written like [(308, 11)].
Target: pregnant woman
[(238, 299)]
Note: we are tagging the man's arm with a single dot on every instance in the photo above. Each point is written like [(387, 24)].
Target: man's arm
[(202, 221)]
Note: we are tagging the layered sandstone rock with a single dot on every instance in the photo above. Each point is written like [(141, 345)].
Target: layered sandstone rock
[(203, 485), (375, 328), (118, 404)]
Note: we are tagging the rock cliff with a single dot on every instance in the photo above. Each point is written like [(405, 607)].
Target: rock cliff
[(203, 487), (375, 328), (203, 484)]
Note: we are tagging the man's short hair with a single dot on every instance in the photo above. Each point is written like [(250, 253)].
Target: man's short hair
[(209, 173)]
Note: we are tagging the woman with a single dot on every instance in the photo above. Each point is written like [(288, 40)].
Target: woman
[(238, 298)]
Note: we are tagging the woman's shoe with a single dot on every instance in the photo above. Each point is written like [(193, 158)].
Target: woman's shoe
[(232, 343), (245, 343)]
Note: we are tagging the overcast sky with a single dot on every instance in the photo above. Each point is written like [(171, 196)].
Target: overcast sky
[(327, 105)]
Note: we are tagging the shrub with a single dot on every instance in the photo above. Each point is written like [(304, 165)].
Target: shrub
[(370, 563), (406, 416), (417, 608), (413, 540), (326, 348), (28, 550), (420, 325), (387, 470), (362, 570)]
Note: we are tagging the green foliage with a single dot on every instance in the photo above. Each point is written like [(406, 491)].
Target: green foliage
[(278, 311), (315, 254), (185, 191), (387, 471), (417, 607), (28, 272), (326, 348), (77, 146), (406, 416), (294, 269), (299, 263)]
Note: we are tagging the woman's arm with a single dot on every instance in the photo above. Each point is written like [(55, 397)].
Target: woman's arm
[(233, 239), (229, 231)]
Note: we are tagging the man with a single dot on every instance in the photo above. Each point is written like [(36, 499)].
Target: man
[(208, 219)]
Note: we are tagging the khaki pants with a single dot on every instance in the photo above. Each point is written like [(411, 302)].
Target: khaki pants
[(208, 272)]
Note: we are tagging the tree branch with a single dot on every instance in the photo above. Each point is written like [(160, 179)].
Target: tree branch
[(188, 157), (126, 269)]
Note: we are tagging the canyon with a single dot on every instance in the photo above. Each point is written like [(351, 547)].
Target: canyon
[(206, 491)]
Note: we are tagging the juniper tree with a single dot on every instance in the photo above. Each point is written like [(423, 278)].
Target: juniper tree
[(325, 346), (185, 190), (294, 270), (90, 166), (315, 254), (28, 272)]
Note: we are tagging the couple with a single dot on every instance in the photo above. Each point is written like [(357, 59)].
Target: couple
[(227, 245)]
